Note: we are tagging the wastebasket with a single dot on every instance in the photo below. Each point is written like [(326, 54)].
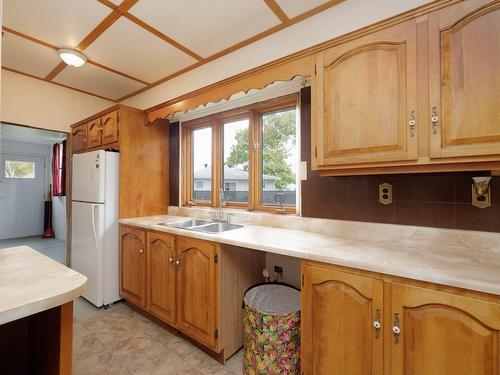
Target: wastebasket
[(271, 329)]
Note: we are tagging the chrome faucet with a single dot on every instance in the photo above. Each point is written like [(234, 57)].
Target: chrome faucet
[(218, 215)]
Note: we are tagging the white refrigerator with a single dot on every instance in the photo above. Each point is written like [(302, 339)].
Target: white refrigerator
[(95, 242)]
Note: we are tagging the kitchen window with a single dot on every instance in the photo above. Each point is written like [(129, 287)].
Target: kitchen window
[(19, 169), (249, 152)]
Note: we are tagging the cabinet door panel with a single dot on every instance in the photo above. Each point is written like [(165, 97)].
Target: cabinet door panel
[(79, 138), (94, 133), (197, 291), (365, 94), (133, 265), (443, 333), (161, 274), (109, 125), (464, 71), (338, 311)]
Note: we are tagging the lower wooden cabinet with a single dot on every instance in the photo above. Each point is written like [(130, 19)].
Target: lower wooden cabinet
[(354, 323), (194, 286), (161, 272), (197, 290), (133, 265)]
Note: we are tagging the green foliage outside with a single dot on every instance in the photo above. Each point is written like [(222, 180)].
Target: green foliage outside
[(278, 141), (19, 169)]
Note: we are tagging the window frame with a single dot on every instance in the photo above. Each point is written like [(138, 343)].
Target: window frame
[(216, 122)]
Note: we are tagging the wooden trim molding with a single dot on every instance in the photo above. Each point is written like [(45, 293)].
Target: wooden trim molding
[(274, 6), (285, 68)]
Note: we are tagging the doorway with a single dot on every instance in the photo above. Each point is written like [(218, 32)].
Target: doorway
[(25, 180)]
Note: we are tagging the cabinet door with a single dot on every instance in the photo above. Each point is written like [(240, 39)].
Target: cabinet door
[(442, 333), (197, 290), (338, 315), (161, 276), (464, 58), (94, 129), (109, 125), (364, 96), (79, 138), (133, 265)]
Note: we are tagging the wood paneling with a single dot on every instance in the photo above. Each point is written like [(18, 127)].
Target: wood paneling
[(174, 139), (364, 93), (161, 276), (197, 285), (464, 55), (443, 333), (133, 265), (338, 312)]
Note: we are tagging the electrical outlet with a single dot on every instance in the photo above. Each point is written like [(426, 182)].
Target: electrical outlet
[(385, 193), (278, 269)]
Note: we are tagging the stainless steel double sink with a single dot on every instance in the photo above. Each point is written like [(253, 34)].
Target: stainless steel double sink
[(199, 225)]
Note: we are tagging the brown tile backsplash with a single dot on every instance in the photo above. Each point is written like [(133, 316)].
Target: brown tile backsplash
[(437, 200)]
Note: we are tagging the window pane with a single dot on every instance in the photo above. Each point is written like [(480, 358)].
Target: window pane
[(202, 165), (19, 169), (235, 174), (279, 158)]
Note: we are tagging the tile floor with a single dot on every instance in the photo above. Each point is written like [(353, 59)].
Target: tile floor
[(51, 247), (120, 341)]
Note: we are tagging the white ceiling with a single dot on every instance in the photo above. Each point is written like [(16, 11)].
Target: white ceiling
[(146, 44), (9, 132)]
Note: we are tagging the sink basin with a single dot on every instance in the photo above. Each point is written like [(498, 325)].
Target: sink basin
[(185, 223), (216, 227)]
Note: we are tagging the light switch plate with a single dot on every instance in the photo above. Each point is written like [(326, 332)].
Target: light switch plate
[(303, 171), (385, 193)]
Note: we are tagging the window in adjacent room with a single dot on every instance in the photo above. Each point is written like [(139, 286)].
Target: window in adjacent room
[(19, 169)]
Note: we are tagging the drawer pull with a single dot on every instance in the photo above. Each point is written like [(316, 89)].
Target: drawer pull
[(376, 324), (434, 120), (395, 329)]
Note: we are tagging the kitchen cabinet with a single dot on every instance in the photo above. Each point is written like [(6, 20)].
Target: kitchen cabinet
[(339, 311), (133, 265), (413, 96), (198, 290), (356, 322), (79, 138), (464, 65), (161, 290), (192, 285), (365, 99), (94, 133), (442, 333), (109, 128)]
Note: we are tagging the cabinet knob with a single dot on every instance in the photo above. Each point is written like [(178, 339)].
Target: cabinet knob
[(170, 259), (434, 120), (376, 324), (395, 329), (412, 123), (178, 263), (141, 251)]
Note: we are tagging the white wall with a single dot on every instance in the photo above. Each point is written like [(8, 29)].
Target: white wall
[(336, 21), (28, 101), (59, 217), (291, 268)]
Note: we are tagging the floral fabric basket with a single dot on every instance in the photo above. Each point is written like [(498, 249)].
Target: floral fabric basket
[(271, 330)]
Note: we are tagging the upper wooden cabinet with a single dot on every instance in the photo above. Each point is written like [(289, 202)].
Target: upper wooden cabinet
[(110, 129), (339, 311), (94, 133), (366, 99), (442, 333), (79, 138), (133, 265), (416, 96), (198, 292), (464, 79)]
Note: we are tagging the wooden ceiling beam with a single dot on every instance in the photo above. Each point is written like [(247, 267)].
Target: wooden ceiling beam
[(55, 48), (277, 10), (244, 43), (94, 34), (56, 83)]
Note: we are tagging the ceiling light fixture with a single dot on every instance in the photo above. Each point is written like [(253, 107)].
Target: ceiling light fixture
[(73, 58)]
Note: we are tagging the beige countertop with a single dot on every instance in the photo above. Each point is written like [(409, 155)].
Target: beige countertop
[(464, 259), (31, 282)]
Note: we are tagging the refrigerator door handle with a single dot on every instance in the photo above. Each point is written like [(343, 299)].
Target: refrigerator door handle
[(93, 224)]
